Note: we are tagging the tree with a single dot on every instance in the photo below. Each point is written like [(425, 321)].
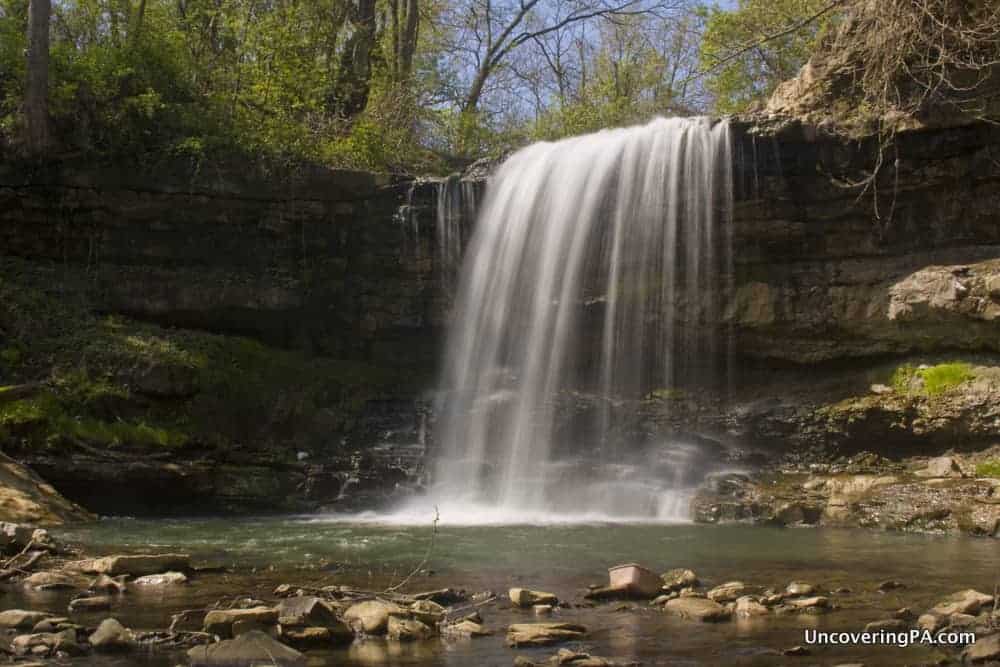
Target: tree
[(36, 96), (748, 51)]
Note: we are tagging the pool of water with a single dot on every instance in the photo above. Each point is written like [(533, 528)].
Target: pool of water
[(255, 554)]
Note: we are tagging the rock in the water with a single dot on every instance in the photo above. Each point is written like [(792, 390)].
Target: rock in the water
[(20, 619), (312, 612), (888, 625), (108, 585), (543, 634), (817, 601), (942, 466), (165, 579), (697, 609), (746, 606), (306, 637), (800, 589), (111, 636), (93, 603), (46, 643), (49, 580), (678, 578), (963, 602), (466, 628), (931, 622), (523, 597), (220, 621), (985, 649), (372, 616), (407, 629), (427, 611), (728, 592), (890, 585), (251, 649), (135, 565)]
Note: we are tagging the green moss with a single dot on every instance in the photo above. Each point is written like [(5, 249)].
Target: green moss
[(934, 380), (989, 469), (666, 394)]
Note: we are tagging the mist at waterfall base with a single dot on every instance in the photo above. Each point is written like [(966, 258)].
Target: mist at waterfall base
[(593, 277)]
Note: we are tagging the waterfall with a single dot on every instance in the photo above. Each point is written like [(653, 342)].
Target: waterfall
[(593, 276)]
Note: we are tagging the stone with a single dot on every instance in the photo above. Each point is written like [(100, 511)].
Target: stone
[(49, 580), (791, 513), (796, 651), (942, 466), (108, 585), (14, 537), (800, 589), (309, 611), (931, 622), (542, 609), (678, 578), (747, 606), (984, 650), (697, 609), (728, 592), (242, 626), (92, 603), (25, 498), (135, 565), (888, 625), (465, 628), (165, 579), (543, 634), (817, 601), (20, 619), (220, 621), (52, 624), (46, 643), (251, 649), (963, 602), (890, 584), (311, 637), (372, 616), (523, 597), (407, 629), (111, 636), (427, 611)]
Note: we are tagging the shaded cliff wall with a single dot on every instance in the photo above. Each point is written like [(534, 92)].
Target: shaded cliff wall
[(312, 259)]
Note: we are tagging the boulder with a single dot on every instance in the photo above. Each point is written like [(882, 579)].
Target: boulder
[(465, 628), (220, 621), (697, 609), (50, 580), (931, 622), (251, 649), (985, 649), (678, 578), (728, 592), (164, 579), (372, 616), (27, 498), (407, 629), (523, 597), (543, 634), (800, 589), (46, 643), (92, 603), (20, 619), (427, 611), (306, 610), (942, 466), (963, 602), (111, 636), (136, 565), (108, 585)]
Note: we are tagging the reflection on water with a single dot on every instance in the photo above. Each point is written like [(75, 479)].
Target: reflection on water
[(562, 559)]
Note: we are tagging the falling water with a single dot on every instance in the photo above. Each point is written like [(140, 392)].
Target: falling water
[(593, 277)]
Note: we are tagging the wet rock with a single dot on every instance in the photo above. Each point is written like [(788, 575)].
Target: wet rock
[(427, 611), (523, 597), (245, 625), (576, 659), (53, 624), (661, 600), (888, 625), (697, 609), (408, 629), (111, 636), (46, 643), (248, 650), (904, 614), (165, 579), (220, 621), (50, 580), (984, 650), (542, 609), (465, 628), (108, 585), (451, 596), (963, 602), (800, 589), (890, 585), (728, 592), (796, 651), (372, 616), (942, 466), (308, 611), (20, 619), (14, 537), (932, 622), (307, 637), (93, 603), (792, 513), (678, 578), (543, 634), (135, 565), (815, 602), (747, 606)]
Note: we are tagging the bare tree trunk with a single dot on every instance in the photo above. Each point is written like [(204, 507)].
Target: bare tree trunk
[(408, 44), (36, 97), (356, 59)]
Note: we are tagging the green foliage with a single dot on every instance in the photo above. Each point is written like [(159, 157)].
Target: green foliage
[(989, 469), (933, 380), (753, 75)]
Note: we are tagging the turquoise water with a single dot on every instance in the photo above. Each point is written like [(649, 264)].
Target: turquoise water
[(256, 554)]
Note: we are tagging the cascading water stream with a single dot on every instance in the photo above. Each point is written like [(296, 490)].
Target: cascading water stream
[(593, 276)]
